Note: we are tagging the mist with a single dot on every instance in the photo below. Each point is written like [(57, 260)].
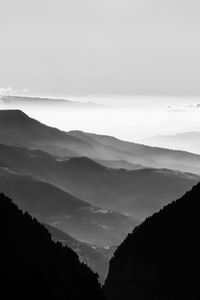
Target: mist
[(127, 118)]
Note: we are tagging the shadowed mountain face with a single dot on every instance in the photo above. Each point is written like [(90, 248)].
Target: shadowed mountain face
[(97, 258), (188, 141), (64, 211), (18, 128), (138, 193), (160, 259), (34, 267)]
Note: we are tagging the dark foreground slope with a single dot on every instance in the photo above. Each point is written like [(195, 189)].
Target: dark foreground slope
[(160, 259), (34, 267), (97, 258)]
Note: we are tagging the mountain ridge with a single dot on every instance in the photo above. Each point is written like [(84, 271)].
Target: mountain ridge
[(23, 101), (160, 258), (64, 211), (97, 258), (33, 266), (103, 187), (64, 144)]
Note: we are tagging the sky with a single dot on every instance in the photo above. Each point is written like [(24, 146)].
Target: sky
[(140, 56), (100, 47)]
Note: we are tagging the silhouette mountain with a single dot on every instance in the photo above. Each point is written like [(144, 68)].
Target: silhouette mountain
[(159, 260), (138, 193), (97, 258), (18, 129), (35, 267), (64, 211)]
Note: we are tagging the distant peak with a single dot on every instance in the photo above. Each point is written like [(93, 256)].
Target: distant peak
[(13, 115), (12, 112)]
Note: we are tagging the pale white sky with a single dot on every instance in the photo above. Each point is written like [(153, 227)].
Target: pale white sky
[(142, 54), (81, 47)]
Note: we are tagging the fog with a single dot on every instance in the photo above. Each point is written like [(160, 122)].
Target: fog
[(124, 118)]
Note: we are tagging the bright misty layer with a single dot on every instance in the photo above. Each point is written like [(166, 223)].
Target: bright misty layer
[(92, 216)]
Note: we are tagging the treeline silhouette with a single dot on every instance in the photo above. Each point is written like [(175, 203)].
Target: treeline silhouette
[(160, 259), (32, 266)]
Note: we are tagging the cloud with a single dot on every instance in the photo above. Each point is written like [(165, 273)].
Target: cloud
[(6, 91), (184, 108), (9, 91), (171, 108)]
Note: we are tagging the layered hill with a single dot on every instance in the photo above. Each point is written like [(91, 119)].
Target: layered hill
[(34, 267), (17, 128), (64, 211), (160, 259), (138, 193)]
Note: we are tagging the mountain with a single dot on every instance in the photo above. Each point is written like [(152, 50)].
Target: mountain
[(138, 193), (187, 141), (119, 164), (35, 267), (160, 259), (17, 128), (21, 102), (64, 211), (97, 258), (142, 154)]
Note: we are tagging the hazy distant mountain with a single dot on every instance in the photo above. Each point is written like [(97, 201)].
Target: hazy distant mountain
[(21, 102), (17, 128), (138, 193), (188, 141), (160, 258), (35, 267), (64, 211), (97, 258), (144, 155)]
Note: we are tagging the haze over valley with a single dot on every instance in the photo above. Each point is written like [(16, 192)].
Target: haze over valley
[(99, 149), (144, 116), (88, 186)]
